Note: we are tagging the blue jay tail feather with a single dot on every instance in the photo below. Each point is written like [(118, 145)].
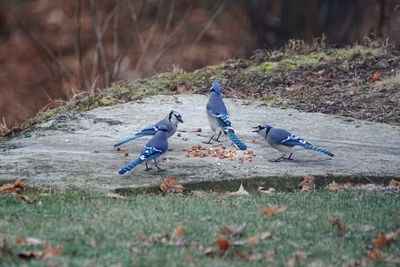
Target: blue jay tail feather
[(318, 149), (236, 140), (130, 166), (134, 137)]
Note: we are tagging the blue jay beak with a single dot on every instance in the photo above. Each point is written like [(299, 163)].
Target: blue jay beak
[(180, 120), (256, 129)]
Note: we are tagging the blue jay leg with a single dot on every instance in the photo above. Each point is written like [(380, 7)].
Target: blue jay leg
[(158, 168), (209, 141), (217, 140), (282, 158), (147, 168)]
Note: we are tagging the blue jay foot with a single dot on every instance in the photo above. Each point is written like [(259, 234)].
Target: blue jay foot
[(158, 168), (147, 168), (282, 158)]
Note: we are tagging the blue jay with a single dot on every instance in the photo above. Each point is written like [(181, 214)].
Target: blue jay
[(285, 141), (170, 121), (154, 148), (219, 119)]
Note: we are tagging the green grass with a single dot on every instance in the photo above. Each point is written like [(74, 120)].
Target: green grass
[(95, 230)]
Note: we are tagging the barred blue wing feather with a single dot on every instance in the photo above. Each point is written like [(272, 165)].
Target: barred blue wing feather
[(148, 153), (294, 140), (152, 130)]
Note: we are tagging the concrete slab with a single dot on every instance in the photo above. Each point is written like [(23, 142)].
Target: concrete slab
[(76, 149)]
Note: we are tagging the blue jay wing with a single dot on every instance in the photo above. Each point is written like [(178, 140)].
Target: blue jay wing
[(152, 130), (224, 120), (149, 153), (294, 140)]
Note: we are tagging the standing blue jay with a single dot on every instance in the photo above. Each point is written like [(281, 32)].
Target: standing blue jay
[(154, 148), (170, 121), (285, 141), (218, 117)]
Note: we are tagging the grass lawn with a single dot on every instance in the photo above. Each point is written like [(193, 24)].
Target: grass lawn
[(96, 230)]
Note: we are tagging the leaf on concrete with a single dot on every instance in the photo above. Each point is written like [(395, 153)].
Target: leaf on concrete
[(12, 188), (168, 185), (307, 184), (114, 195), (240, 192), (271, 211)]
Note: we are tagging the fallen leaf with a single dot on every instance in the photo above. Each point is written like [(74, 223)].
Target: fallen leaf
[(385, 239), (271, 211), (334, 187), (341, 226), (22, 240), (12, 188), (240, 192), (374, 254), (394, 183), (223, 243), (178, 232), (266, 191), (254, 240), (293, 258), (49, 252), (168, 185), (308, 183), (114, 195), (377, 76)]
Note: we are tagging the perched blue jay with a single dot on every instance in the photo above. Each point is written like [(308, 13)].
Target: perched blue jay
[(154, 148), (219, 119), (285, 141), (170, 121)]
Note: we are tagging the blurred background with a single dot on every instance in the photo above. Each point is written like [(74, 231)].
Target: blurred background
[(50, 50)]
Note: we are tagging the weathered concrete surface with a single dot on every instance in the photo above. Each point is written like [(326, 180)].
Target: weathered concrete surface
[(76, 149)]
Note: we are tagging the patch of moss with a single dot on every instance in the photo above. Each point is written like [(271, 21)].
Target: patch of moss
[(267, 66)]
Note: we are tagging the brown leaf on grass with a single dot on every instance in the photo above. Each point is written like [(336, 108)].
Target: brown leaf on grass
[(49, 252), (114, 195), (266, 191), (12, 188), (383, 239), (307, 184), (374, 254), (340, 226), (394, 183), (334, 187), (168, 185), (271, 211), (377, 76), (253, 240), (22, 240), (223, 243), (240, 192), (178, 232)]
